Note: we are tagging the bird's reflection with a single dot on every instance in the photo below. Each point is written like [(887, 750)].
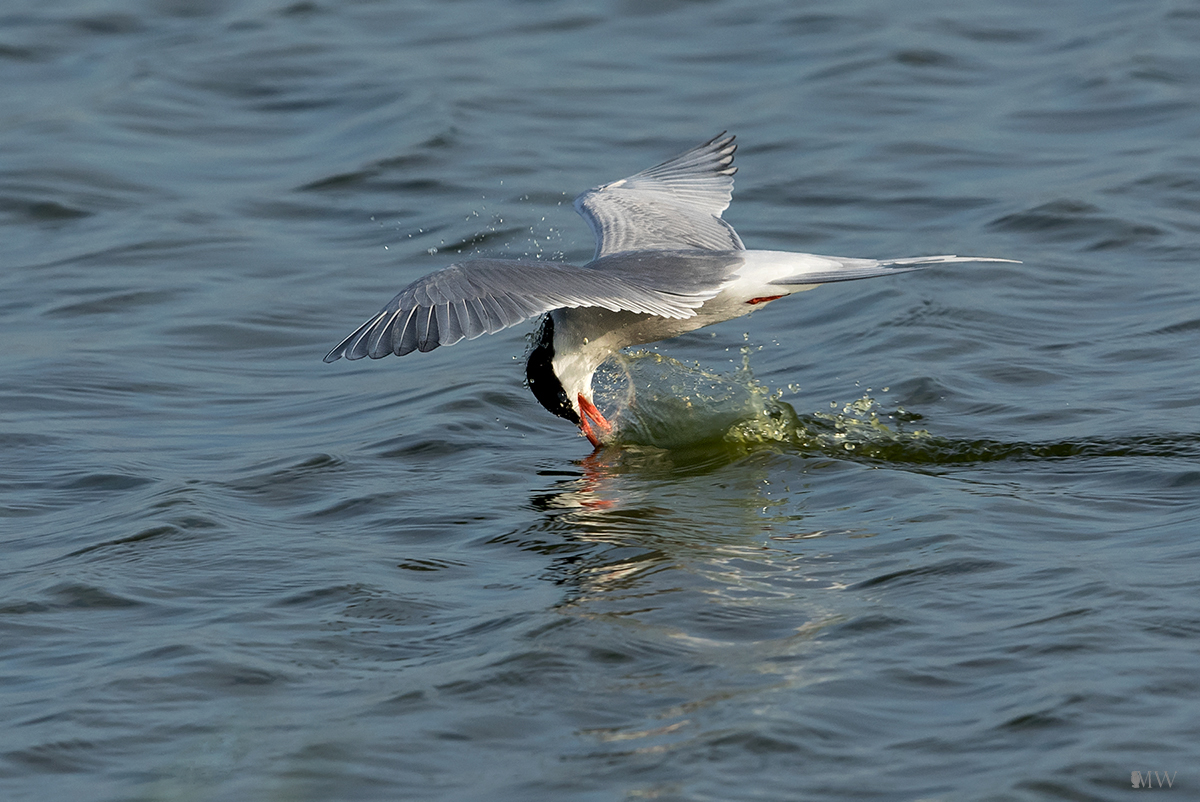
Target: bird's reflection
[(627, 513), (685, 570)]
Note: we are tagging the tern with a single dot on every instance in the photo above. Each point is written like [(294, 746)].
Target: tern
[(665, 264)]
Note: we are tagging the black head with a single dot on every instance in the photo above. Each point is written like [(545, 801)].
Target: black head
[(540, 378)]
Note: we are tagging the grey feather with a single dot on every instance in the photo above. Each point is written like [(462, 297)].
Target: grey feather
[(661, 249), (676, 205), (483, 296)]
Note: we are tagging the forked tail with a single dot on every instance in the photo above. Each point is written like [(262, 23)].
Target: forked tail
[(810, 269)]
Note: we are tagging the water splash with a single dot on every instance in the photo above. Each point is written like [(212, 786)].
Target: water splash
[(654, 400), (657, 402), (661, 402)]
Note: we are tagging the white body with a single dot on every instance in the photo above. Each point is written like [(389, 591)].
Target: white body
[(584, 337)]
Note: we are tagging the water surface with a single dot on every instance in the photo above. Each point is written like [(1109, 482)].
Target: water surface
[(926, 537)]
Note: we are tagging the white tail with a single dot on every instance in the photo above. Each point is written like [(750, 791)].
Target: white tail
[(783, 268)]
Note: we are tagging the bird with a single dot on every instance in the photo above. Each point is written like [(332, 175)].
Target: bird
[(666, 263)]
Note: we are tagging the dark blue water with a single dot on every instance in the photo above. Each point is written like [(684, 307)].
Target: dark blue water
[(928, 537)]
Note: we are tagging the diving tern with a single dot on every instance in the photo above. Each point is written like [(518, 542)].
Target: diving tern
[(665, 264)]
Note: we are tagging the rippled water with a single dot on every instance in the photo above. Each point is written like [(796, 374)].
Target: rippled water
[(926, 537)]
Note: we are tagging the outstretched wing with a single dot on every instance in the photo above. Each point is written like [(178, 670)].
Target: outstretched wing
[(483, 296), (677, 204)]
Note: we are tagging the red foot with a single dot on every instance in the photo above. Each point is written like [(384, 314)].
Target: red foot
[(589, 417), (763, 299)]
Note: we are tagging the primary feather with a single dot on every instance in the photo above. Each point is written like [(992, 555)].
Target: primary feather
[(677, 204)]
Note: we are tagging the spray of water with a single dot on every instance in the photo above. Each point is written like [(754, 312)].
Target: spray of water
[(659, 402), (665, 406)]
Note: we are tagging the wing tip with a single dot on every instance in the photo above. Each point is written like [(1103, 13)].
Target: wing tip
[(349, 347), (721, 140)]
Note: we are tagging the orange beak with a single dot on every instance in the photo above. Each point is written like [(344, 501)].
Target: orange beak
[(591, 421)]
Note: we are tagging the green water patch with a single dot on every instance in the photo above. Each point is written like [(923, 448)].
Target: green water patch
[(659, 403)]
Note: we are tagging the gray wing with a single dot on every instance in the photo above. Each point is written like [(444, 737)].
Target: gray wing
[(483, 296), (677, 204)]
